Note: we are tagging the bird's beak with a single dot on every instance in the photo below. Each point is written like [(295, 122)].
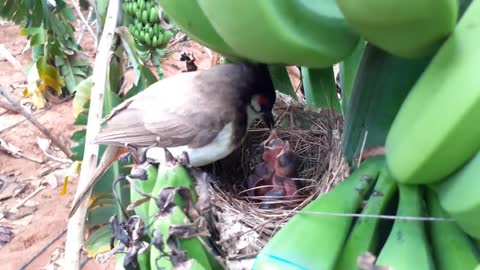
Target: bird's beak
[(268, 119)]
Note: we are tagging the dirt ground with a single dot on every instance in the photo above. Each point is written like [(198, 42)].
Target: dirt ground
[(46, 212)]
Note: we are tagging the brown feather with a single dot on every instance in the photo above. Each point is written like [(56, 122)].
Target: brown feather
[(170, 120)]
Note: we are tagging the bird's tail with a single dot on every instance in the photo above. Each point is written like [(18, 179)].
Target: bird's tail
[(109, 156)]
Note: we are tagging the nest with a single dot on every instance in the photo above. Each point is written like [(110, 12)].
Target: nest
[(243, 227)]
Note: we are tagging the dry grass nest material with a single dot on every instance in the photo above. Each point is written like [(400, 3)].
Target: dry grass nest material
[(243, 227)]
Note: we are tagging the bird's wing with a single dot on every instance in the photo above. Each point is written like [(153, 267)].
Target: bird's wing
[(178, 116)]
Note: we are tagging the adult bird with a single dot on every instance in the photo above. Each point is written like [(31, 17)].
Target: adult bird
[(204, 114)]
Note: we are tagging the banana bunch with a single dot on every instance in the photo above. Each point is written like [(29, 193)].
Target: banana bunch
[(313, 239), (145, 23), (165, 200)]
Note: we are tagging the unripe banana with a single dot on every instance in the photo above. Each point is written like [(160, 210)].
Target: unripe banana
[(406, 247), (153, 15), (160, 38), (144, 16), (136, 10), (167, 36), (363, 237), (434, 132), (298, 244), (405, 28), (148, 39), (459, 197), (451, 247), (155, 41), (148, 6), (141, 4)]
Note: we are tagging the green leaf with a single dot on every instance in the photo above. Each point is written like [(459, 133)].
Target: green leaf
[(115, 72), (128, 43), (145, 78), (73, 70), (100, 215), (13, 10), (99, 241), (101, 13), (37, 36), (82, 119), (281, 80), (382, 83), (78, 144), (320, 88), (348, 71), (82, 95)]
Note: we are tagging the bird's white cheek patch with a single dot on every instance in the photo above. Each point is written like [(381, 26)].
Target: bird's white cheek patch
[(219, 148)]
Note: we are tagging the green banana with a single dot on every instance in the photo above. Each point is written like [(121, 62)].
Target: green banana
[(144, 16), (363, 237), (292, 248), (148, 39), (161, 37), (153, 15), (146, 186), (155, 41), (148, 6), (287, 32), (406, 247), (167, 36), (458, 195), (451, 247), (405, 28), (136, 10), (434, 133)]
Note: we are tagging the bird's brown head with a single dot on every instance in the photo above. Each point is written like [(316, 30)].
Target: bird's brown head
[(262, 95)]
